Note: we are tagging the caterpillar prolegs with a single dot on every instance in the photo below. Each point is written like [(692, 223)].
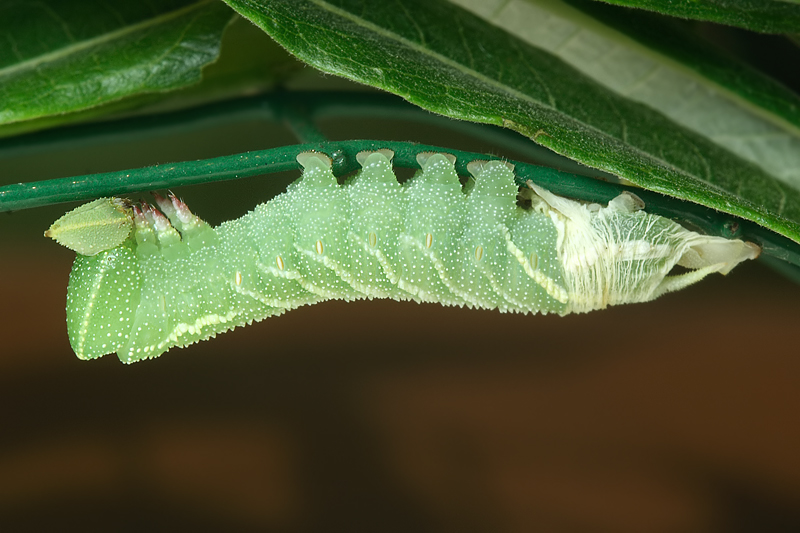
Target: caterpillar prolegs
[(165, 278)]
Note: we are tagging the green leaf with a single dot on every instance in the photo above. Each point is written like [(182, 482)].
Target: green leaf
[(766, 16), (61, 57), (447, 60), (249, 63), (657, 62)]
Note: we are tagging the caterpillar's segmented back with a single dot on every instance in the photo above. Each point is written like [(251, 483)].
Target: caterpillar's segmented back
[(175, 280)]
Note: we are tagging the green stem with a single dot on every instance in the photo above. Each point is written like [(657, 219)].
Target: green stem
[(343, 154)]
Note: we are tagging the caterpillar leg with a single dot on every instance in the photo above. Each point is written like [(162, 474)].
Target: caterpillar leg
[(431, 225), (377, 204), (194, 231)]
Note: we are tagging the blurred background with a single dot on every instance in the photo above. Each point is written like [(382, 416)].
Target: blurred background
[(677, 415)]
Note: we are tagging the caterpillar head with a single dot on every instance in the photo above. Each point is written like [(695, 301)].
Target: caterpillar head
[(112, 237), (91, 228)]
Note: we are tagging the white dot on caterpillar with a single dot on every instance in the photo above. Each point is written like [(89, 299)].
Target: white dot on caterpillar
[(534, 260), (238, 278), (373, 240), (279, 261), (319, 247), (478, 253), (428, 240)]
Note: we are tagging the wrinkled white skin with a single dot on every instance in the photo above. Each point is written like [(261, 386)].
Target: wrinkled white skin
[(620, 254)]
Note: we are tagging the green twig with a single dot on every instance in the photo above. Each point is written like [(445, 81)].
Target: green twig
[(343, 154), (301, 113)]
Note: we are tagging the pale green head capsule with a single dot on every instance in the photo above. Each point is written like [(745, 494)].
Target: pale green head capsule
[(94, 227)]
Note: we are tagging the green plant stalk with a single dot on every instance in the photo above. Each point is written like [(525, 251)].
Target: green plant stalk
[(343, 153)]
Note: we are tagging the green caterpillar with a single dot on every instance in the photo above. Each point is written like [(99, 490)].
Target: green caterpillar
[(156, 281)]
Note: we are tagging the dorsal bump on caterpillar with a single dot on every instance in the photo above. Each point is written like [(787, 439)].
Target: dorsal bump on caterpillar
[(147, 279)]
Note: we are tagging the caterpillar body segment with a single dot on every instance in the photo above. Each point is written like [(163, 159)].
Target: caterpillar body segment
[(175, 280)]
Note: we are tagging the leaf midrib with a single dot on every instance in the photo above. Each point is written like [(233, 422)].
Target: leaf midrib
[(95, 41)]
